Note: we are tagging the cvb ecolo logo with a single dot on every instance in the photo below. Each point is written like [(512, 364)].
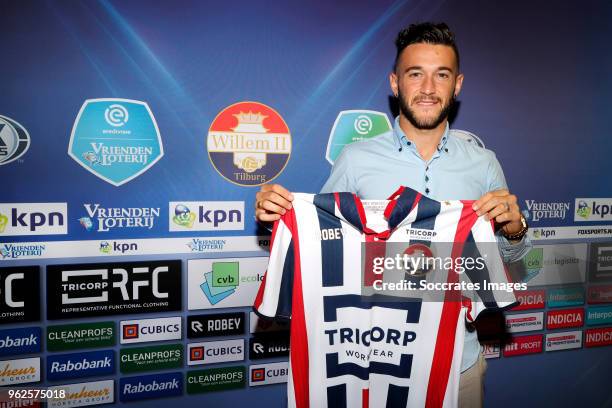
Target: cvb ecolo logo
[(102, 219), (26, 370), (118, 247), (206, 216), (33, 219), (216, 352), (144, 330), (103, 289), (593, 209)]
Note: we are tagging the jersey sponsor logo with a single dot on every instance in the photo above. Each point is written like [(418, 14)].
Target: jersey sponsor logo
[(360, 349), (83, 290), (215, 352), (19, 294), (215, 379), (562, 297), (221, 283), (598, 337), (523, 322), (559, 319), (599, 315), (600, 265), (530, 299), (491, 350), (103, 219), (222, 324), (539, 211), (264, 374), (564, 340), (520, 345), (14, 140), (206, 216), (421, 234), (599, 294), (144, 330), (115, 139), (249, 143), (260, 325), (354, 125), (593, 209), (83, 335), (22, 371), (33, 219), (20, 341), (83, 394), (269, 345), (151, 386), (135, 359), (77, 365)]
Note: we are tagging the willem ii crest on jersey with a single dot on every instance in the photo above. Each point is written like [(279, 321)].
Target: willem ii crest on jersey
[(352, 346)]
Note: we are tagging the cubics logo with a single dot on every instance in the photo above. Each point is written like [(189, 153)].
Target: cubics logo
[(354, 125), (115, 139), (249, 143), (273, 373), (221, 281), (216, 352), (14, 140), (139, 331)]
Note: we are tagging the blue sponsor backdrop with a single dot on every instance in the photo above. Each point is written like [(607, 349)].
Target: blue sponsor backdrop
[(536, 92), (77, 365)]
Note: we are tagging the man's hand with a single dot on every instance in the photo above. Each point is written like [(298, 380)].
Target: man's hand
[(271, 202), (501, 206)]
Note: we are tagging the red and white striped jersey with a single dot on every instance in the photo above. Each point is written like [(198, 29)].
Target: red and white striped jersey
[(350, 349)]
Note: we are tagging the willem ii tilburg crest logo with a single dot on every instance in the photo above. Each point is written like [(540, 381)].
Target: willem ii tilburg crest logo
[(115, 139), (249, 143)]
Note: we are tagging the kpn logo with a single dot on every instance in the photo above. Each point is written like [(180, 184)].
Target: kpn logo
[(115, 139), (352, 126), (221, 282), (593, 209)]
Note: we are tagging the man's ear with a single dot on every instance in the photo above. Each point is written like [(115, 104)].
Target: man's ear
[(393, 83), (458, 84)]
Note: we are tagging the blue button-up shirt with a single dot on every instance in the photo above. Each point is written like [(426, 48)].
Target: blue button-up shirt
[(459, 170)]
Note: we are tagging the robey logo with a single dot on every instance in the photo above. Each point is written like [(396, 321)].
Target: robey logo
[(113, 288), (139, 331), (221, 324), (19, 294)]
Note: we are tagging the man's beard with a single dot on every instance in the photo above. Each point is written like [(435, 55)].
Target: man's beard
[(426, 124)]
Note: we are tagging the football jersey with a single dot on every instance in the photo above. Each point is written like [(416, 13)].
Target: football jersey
[(356, 348)]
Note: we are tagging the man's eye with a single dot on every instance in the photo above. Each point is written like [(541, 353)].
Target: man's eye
[(443, 75), (414, 74)]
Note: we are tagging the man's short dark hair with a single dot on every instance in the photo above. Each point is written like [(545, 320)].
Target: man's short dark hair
[(428, 33)]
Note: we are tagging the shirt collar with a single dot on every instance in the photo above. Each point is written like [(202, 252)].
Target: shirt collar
[(403, 141)]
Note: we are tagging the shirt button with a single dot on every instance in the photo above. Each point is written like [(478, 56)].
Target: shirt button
[(427, 191), (426, 168), (408, 143), (426, 178)]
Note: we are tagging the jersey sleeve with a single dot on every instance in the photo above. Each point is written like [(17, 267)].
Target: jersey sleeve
[(274, 297), (495, 284)]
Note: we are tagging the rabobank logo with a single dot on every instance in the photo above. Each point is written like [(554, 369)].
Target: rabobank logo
[(593, 209), (77, 365), (354, 125), (151, 386), (206, 215), (33, 219), (249, 143), (115, 139), (14, 140), (20, 341)]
